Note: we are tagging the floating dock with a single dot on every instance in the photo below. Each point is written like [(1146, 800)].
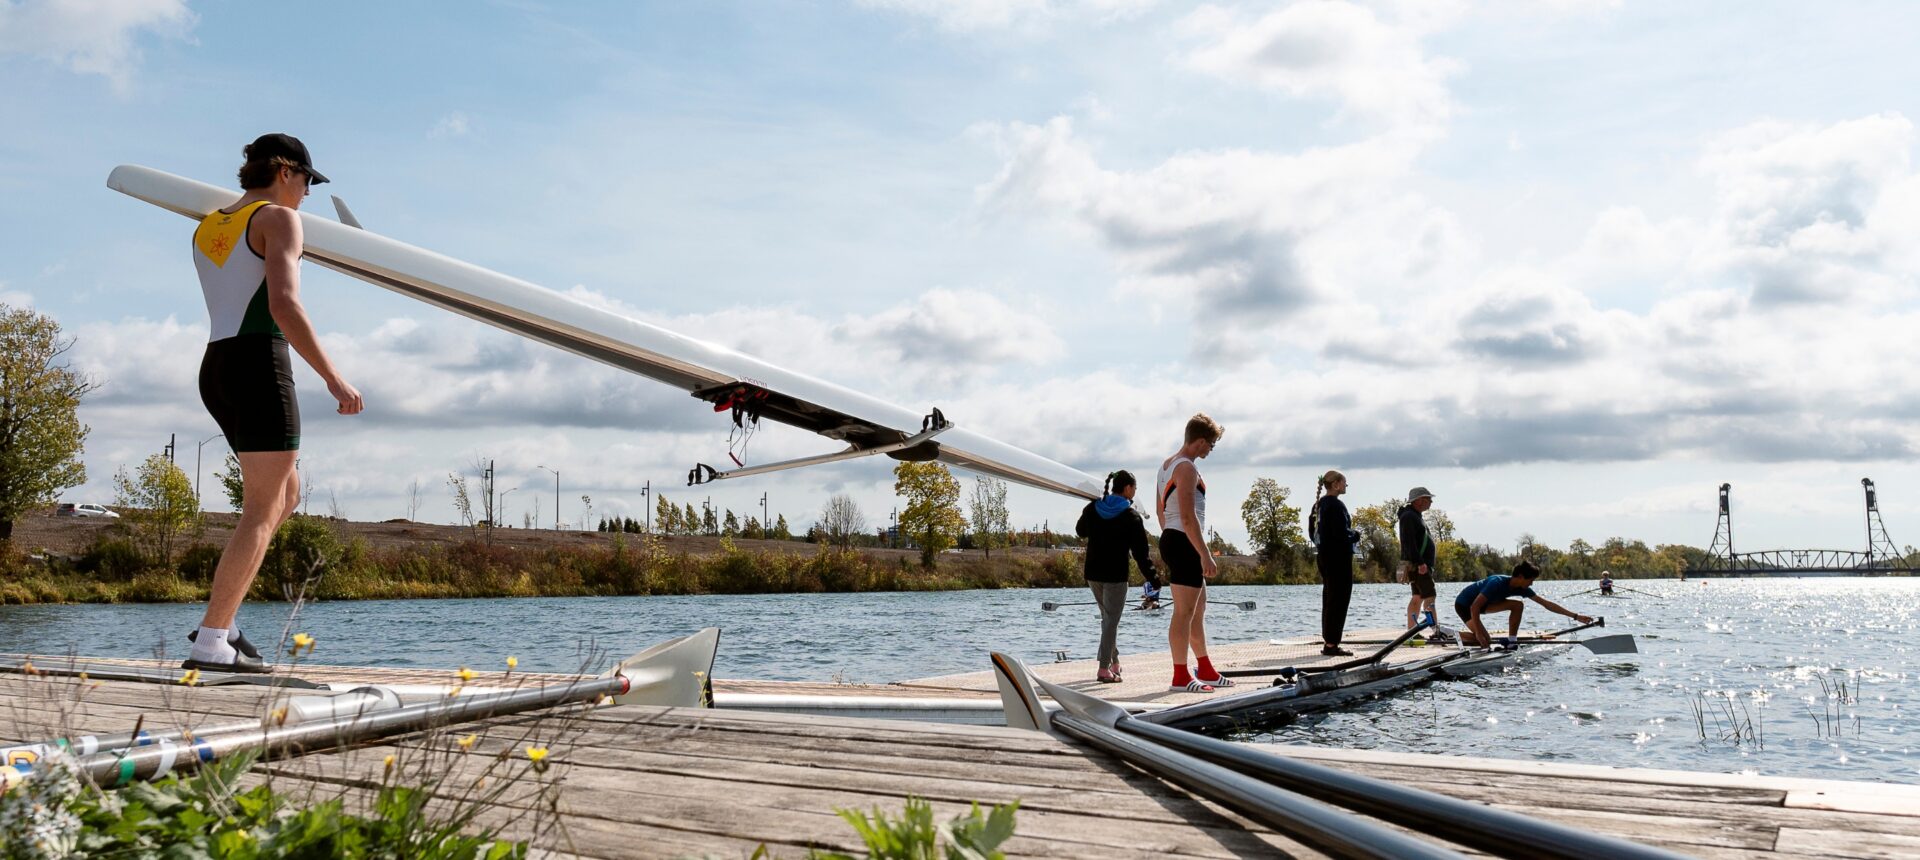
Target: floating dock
[(640, 781)]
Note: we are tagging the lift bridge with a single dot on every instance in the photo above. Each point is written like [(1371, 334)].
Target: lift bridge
[(1881, 557)]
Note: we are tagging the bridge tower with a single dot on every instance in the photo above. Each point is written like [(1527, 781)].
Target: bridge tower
[(1722, 546), (1880, 548)]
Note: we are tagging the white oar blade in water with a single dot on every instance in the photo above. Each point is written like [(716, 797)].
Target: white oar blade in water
[(676, 673), (1621, 643)]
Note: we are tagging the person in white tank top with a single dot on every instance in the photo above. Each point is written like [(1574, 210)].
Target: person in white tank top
[(1180, 504), (258, 298)]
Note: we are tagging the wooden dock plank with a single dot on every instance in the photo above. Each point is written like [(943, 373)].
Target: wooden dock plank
[(647, 782)]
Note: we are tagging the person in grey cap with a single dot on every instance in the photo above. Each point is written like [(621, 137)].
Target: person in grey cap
[(1417, 555)]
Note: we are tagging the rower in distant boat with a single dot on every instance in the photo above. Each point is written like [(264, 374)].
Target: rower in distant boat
[(1606, 583), (1498, 593), (1149, 593)]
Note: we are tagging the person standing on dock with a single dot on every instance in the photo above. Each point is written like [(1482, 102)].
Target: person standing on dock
[(1498, 593), (1180, 504), (1114, 531), (248, 259), (1331, 530), (1417, 556)]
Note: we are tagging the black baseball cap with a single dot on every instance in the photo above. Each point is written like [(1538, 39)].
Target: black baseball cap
[(285, 146)]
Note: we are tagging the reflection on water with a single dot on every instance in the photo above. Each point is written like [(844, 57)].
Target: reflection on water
[(1811, 677)]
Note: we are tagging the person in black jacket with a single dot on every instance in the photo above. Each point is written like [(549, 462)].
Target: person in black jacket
[(1417, 555), (1332, 532), (1113, 530)]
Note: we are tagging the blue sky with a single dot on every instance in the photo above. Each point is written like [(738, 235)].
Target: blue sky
[(1570, 264)]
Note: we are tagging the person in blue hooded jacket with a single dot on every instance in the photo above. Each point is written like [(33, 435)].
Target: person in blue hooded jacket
[(1114, 531)]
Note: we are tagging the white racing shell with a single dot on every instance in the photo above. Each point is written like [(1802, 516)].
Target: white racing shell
[(707, 371)]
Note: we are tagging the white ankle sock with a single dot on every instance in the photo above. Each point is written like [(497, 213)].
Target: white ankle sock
[(210, 646)]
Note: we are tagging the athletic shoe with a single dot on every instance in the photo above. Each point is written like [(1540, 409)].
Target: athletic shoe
[(242, 664), (235, 638)]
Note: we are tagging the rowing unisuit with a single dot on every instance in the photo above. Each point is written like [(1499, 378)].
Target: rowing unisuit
[(246, 377)]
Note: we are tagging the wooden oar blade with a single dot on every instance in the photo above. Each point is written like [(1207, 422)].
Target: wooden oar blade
[(1619, 643)]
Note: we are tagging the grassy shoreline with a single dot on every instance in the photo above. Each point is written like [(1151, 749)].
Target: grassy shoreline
[(310, 554)]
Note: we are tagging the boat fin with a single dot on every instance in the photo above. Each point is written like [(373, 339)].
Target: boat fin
[(1018, 696), (346, 215), (677, 673)]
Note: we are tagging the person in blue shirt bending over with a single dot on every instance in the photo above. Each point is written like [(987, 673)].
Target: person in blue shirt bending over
[(1500, 593)]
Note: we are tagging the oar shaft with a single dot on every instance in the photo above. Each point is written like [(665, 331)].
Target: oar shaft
[(152, 762), (1496, 831), (1336, 833)]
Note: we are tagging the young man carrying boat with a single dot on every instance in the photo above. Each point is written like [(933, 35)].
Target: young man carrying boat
[(1500, 593), (248, 258)]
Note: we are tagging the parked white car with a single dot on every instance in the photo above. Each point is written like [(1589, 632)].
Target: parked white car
[(69, 509)]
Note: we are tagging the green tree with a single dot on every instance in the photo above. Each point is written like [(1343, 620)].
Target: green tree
[(40, 430), (731, 525), (780, 529), (665, 515), (230, 482), (689, 520), (1379, 527), (1273, 526), (158, 502), (932, 514), (988, 514), (709, 524)]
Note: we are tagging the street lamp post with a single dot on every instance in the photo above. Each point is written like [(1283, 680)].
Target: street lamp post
[(500, 510), (556, 495), (646, 504), (196, 468), (766, 528)]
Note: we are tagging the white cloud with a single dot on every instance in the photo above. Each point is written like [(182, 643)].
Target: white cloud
[(1250, 238), (16, 298), (96, 37), (1377, 70), (980, 15), (455, 124)]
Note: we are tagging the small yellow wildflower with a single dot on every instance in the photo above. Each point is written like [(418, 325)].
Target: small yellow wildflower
[(537, 754), (513, 663), (389, 764), (466, 743), (279, 716), (190, 677), (466, 675), (301, 642)]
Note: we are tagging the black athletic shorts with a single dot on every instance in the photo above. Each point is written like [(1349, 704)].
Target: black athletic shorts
[(1422, 583), (246, 383), (1183, 563), (1464, 611)]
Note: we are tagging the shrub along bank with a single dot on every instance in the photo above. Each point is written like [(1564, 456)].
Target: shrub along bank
[(308, 554)]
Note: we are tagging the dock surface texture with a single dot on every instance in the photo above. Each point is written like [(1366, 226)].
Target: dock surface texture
[(637, 781)]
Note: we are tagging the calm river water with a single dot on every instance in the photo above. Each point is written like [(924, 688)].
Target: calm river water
[(1765, 660)]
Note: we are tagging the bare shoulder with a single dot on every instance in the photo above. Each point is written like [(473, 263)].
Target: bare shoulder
[(278, 221)]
